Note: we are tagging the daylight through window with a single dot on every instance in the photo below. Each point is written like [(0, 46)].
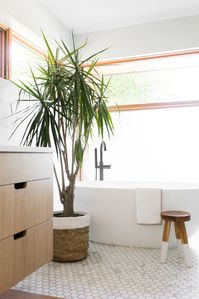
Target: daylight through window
[(153, 81)]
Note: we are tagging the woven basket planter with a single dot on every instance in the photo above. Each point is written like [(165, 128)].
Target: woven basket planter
[(70, 238)]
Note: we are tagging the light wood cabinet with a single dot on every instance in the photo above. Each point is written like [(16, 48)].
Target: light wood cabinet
[(16, 168), (25, 213)]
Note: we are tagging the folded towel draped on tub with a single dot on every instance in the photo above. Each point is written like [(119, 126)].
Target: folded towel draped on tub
[(148, 205)]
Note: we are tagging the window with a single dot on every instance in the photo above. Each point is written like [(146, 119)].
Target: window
[(153, 81), (4, 52), (17, 55), (23, 56)]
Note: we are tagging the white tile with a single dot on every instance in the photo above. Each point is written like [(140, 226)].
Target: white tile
[(118, 272)]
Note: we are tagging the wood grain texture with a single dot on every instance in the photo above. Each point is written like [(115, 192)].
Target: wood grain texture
[(8, 39), (183, 233), (179, 216), (28, 44), (26, 207), (118, 108), (26, 235), (13, 294), (2, 53), (21, 257), (177, 233), (39, 246), (166, 231), (5, 46), (146, 57), (23, 167), (12, 262)]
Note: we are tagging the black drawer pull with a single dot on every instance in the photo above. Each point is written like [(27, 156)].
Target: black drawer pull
[(20, 235), (21, 185)]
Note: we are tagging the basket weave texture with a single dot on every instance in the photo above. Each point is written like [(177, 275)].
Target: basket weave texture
[(70, 245)]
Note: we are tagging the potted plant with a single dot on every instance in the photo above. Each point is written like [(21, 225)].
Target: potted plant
[(66, 100)]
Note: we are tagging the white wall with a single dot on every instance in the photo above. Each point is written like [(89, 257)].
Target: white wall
[(161, 144), (169, 35), (150, 145), (29, 17), (8, 95)]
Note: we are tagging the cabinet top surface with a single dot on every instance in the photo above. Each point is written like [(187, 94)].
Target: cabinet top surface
[(24, 149)]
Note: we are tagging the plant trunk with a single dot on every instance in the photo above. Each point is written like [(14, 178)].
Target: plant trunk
[(68, 199)]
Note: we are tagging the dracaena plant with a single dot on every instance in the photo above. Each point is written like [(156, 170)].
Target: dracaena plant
[(66, 100)]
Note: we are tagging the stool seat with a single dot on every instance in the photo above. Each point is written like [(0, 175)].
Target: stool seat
[(179, 216)]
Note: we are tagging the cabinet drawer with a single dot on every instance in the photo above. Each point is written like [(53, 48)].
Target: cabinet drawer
[(21, 167), (25, 207), (39, 246), (22, 254)]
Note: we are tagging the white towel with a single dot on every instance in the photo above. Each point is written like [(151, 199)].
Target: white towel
[(148, 205)]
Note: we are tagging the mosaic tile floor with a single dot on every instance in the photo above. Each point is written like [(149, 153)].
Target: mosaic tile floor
[(117, 272)]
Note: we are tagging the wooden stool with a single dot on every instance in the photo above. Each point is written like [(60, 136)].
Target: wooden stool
[(179, 218)]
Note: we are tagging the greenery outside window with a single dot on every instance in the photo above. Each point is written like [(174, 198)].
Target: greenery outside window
[(154, 82)]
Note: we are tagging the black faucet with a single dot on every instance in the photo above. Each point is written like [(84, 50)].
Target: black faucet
[(101, 165)]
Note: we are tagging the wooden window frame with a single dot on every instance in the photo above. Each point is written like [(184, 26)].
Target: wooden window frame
[(28, 44), (7, 36), (18, 38), (5, 52), (130, 107)]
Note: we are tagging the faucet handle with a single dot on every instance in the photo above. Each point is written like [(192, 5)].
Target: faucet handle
[(107, 166)]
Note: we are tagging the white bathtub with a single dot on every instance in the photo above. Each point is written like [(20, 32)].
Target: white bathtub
[(113, 214)]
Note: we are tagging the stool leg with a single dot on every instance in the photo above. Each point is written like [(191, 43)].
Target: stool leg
[(165, 238), (178, 239), (183, 235)]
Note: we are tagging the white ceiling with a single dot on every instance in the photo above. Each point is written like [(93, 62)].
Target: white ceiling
[(93, 15)]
